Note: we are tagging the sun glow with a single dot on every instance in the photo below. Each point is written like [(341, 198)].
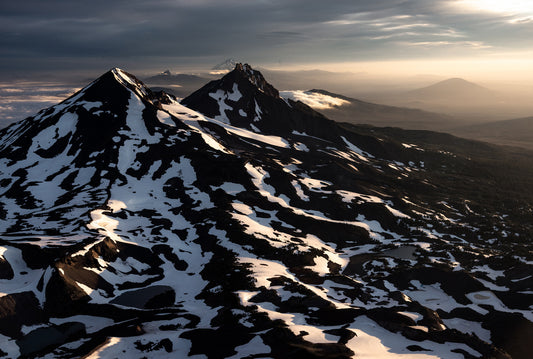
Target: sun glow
[(501, 6)]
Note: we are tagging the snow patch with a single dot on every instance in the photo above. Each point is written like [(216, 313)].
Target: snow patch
[(194, 120), (165, 118)]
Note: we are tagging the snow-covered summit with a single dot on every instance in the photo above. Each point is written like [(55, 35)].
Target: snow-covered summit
[(244, 98), (224, 66)]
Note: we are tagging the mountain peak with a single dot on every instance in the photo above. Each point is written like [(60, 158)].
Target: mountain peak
[(93, 118), (245, 99), (455, 90), (457, 81), (110, 82), (246, 72), (455, 84), (131, 82), (226, 65)]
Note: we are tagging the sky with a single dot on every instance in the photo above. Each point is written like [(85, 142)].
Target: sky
[(355, 35)]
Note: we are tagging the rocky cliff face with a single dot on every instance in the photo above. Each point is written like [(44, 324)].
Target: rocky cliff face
[(238, 224)]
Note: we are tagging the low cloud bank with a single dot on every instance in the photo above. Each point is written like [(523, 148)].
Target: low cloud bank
[(315, 100)]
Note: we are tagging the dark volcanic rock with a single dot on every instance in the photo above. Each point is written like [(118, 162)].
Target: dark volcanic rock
[(19, 309), (44, 339), (511, 332), (156, 296), (6, 271)]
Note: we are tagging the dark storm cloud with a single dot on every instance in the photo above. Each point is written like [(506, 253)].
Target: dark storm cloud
[(169, 27), (39, 33)]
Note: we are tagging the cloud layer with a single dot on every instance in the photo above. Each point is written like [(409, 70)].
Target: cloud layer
[(315, 100), (20, 100)]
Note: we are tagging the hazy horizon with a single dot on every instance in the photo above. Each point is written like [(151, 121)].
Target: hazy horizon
[(375, 52), (23, 97)]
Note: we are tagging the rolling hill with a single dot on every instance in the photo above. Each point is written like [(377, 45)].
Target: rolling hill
[(515, 132)]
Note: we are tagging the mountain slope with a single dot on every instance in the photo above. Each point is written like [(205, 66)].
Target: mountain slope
[(515, 132), (360, 112), (238, 224), (245, 99)]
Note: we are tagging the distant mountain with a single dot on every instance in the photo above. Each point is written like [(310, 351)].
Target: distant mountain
[(339, 82), (355, 111), (239, 224), (169, 78), (179, 85), (454, 90), (225, 66), (457, 98), (516, 132)]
